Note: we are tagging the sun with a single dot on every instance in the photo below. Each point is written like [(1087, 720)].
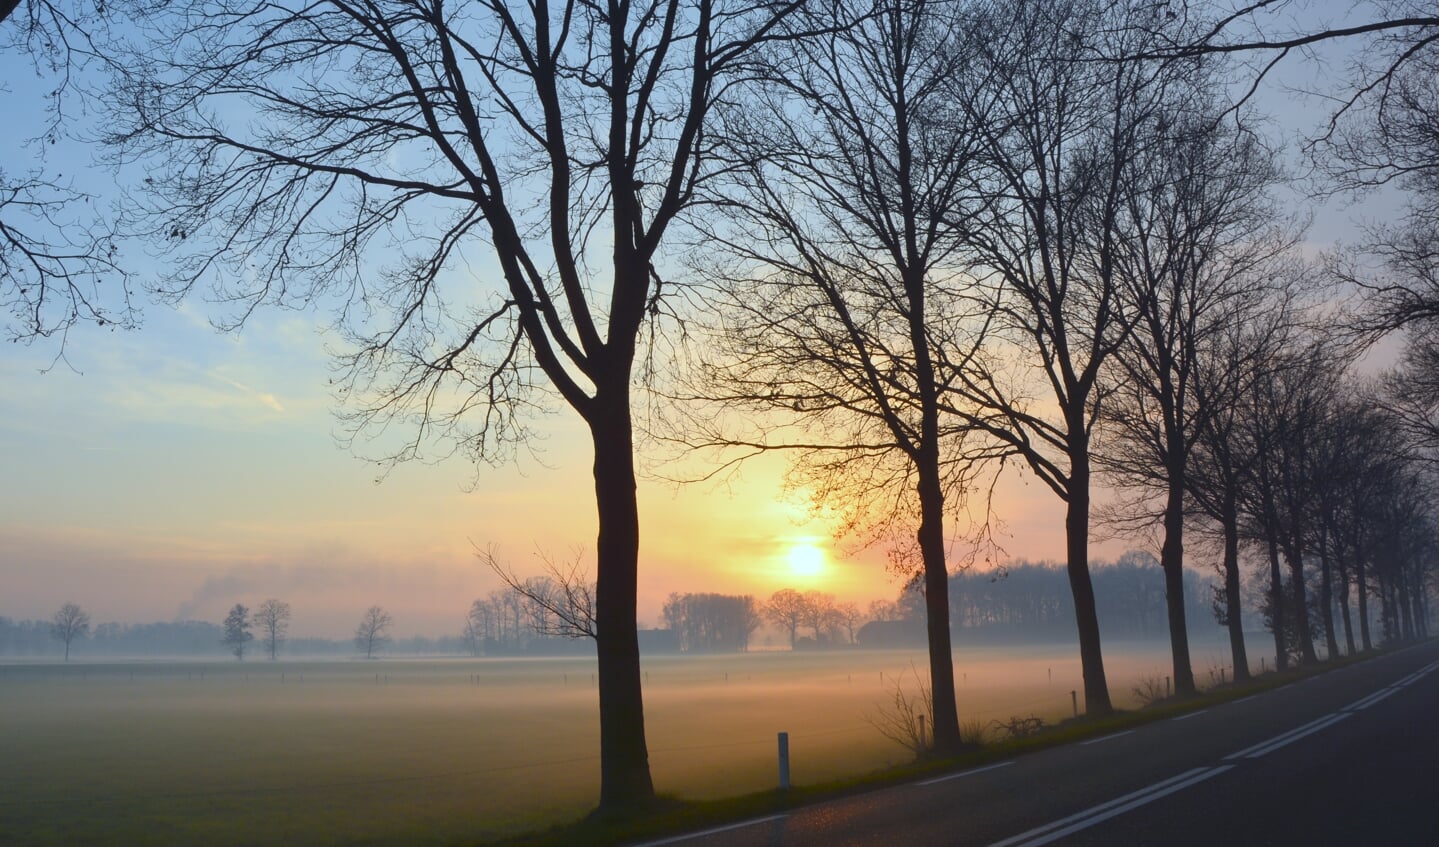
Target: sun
[(805, 560)]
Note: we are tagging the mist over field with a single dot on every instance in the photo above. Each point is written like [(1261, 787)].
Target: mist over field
[(437, 752), (580, 423)]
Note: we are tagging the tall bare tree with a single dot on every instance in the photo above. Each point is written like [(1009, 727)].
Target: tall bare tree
[(373, 631), (68, 624), (1194, 241), (1219, 477), (788, 610), (236, 627), (1072, 110), (844, 218), (273, 619), (357, 155)]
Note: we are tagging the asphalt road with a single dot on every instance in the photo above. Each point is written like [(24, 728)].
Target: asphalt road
[(1347, 757)]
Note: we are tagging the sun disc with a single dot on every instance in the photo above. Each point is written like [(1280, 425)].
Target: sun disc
[(806, 560)]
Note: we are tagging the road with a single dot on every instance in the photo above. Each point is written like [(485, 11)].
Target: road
[(1346, 757)]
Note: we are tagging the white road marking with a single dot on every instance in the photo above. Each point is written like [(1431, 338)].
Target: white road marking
[(1377, 697), (1295, 732), (1104, 811), (1293, 737), (708, 832), (1188, 716), (1105, 738), (1242, 699), (970, 772), (1368, 699)]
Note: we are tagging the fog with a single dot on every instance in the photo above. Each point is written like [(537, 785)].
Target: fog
[(434, 751)]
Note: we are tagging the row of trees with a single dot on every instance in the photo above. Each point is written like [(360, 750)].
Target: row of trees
[(829, 622), (712, 623), (939, 232), (1031, 600), (271, 618), (963, 237)]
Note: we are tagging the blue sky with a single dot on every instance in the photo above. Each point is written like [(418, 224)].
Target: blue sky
[(175, 470)]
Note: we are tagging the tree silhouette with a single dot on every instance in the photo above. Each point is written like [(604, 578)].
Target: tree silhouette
[(843, 213), (59, 260), (69, 623), (354, 155), (373, 631), (273, 619), (237, 631)]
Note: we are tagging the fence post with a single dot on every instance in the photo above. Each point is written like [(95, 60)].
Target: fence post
[(784, 761), (1074, 701)]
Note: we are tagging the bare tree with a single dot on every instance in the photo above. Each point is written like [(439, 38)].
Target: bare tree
[(354, 155), (237, 631), (849, 616), (787, 609), (818, 612), (559, 603), (59, 258), (373, 632), (711, 622), (68, 624), (1071, 111), (844, 215), (479, 626), (1195, 239), (273, 619), (1219, 477)]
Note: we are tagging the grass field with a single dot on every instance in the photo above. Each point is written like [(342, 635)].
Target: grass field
[(446, 752)]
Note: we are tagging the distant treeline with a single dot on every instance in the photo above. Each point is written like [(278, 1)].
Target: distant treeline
[(1025, 601), (197, 639), (1033, 600)]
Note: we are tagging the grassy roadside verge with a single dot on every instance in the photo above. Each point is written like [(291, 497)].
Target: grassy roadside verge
[(672, 816)]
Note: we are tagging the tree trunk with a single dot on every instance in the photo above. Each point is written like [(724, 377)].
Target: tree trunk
[(936, 605), (1172, 561), (1344, 615), (1362, 585), (1406, 620), (1076, 531), (1302, 632), (625, 783), (1326, 595), (1233, 608), (1276, 596), (1421, 615)]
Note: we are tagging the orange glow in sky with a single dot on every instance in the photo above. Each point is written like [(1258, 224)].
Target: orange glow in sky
[(176, 471)]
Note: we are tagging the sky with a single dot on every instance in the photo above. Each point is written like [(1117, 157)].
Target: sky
[(173, 471)]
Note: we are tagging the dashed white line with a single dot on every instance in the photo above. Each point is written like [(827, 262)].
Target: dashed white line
[(1290, 738), (969, 772), (1188, 716), (1089, 817), (1106, 738), (708, 832), (1282, 736), (1367, 700), (1376, 698)]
